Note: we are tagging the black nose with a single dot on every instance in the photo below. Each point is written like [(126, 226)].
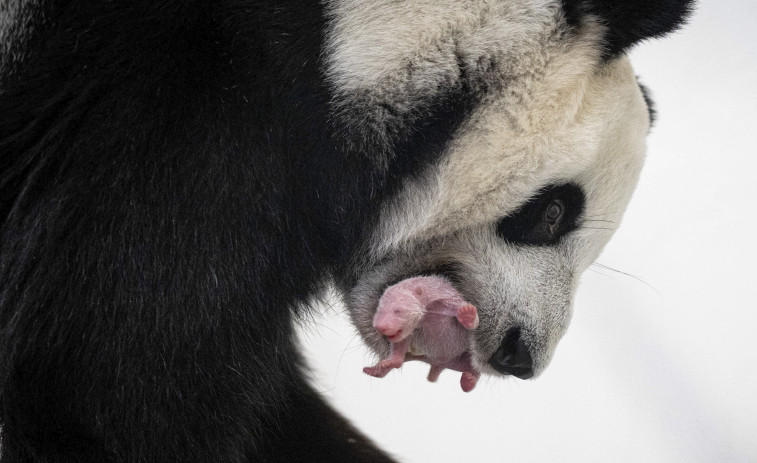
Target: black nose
[(513, 357)]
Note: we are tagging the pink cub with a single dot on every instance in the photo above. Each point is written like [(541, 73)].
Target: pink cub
[(427, 315)]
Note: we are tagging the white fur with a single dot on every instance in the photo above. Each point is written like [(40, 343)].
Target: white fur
[(550, 112), (405, 54)]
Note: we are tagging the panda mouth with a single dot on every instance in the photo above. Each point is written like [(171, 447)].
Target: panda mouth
[(425, 318), (396, 337)]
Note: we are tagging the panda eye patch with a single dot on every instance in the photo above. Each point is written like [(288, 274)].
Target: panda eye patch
[(545, 218)]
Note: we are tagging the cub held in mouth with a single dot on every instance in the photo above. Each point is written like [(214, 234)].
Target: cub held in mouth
[(425, 318)]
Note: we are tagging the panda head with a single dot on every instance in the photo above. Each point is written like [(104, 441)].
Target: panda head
[(536, 172)]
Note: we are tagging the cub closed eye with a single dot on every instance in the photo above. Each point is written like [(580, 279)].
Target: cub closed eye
[(545, 218)]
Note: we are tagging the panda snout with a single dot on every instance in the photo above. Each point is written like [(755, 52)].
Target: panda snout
[(513, 356)]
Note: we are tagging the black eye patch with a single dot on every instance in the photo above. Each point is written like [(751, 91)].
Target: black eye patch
[(545, 218)]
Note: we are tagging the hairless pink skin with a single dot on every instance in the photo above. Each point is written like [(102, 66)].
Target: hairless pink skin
[(425, 318)]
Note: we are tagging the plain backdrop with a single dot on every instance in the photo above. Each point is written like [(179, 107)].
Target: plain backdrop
[(659, 364)]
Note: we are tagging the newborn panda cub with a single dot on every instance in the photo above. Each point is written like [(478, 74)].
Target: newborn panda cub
[(425, 318)]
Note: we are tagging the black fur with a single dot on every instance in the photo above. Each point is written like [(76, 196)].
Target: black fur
[(629, 22), (171, 192), (174, 188), (651, 108)]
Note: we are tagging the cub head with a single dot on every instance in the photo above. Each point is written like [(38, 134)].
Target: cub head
[(534, 172)]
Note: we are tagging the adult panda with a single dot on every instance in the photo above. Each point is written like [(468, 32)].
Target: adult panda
[(179, 178)]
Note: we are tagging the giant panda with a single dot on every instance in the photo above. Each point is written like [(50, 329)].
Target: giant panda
[(179, 180)]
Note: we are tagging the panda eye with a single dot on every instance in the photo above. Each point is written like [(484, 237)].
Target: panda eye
[(544, 219), (554, 212)]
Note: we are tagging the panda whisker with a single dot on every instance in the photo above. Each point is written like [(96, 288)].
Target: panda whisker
[(599, 228), (598, 216), (614, 270), (597, 220)]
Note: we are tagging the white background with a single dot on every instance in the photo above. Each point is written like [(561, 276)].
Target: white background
[(660, 361)]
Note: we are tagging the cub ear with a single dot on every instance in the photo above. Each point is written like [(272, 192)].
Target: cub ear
[(628, 22)]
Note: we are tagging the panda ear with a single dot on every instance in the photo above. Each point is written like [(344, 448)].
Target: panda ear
[(628, 22)]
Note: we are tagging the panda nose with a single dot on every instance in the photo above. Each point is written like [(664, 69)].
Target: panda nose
[(513, 356)]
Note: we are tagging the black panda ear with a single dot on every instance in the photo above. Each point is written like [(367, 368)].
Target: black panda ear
[(629, 21)]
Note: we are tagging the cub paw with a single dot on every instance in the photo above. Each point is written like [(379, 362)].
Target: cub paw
[(467, 315)]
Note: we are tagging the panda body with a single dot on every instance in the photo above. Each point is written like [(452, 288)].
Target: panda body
[(178, 180)]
